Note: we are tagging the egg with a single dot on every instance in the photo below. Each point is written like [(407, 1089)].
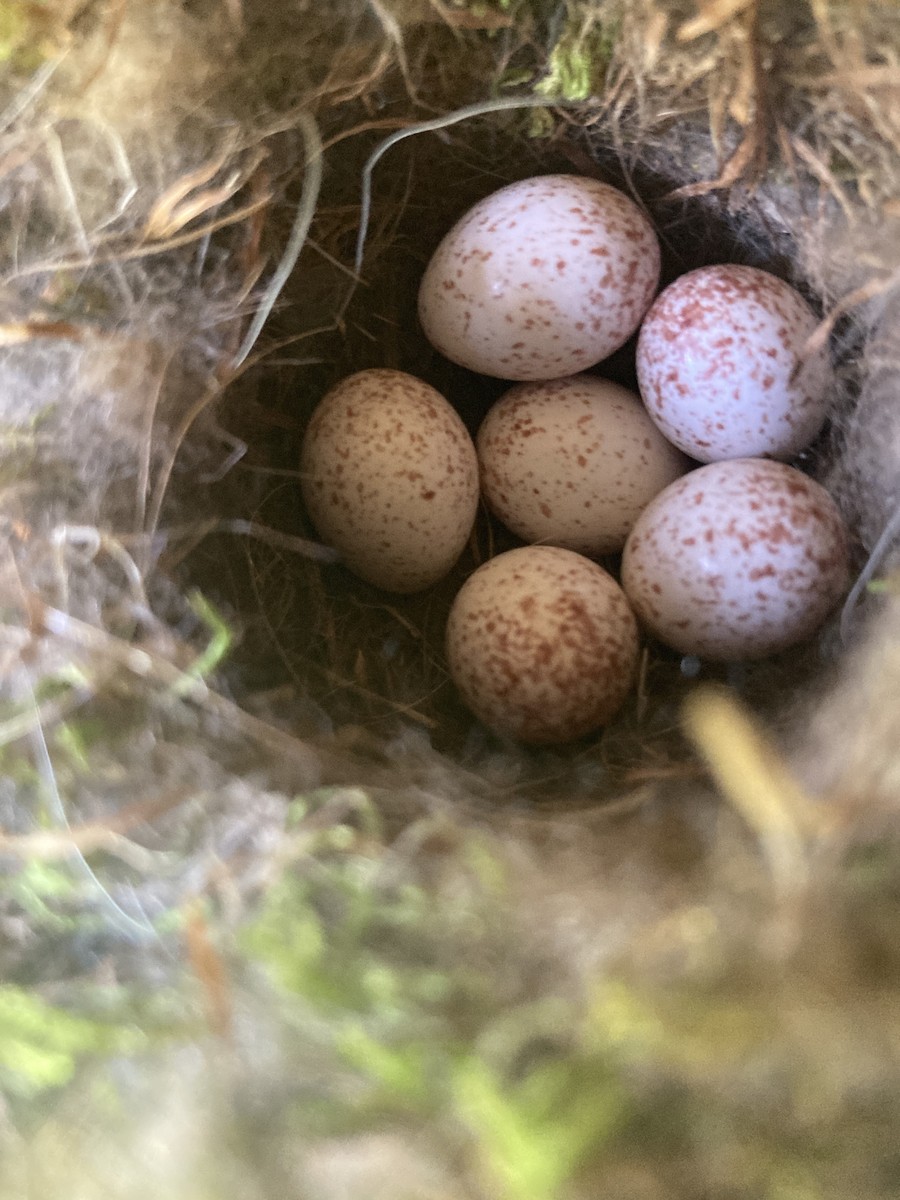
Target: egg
[(541, 279), (542, 645), (389, 476), (573, 462), (720, 365), (737, 560)]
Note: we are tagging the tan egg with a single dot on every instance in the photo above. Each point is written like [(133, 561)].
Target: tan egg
[(390, 479), (540, 279), (542, 645), (573, 462)]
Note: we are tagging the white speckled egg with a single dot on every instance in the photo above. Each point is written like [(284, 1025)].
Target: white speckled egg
[(716, 360), (541, 279), (737, 560), (573, 462), (542, 645), (390, 479)]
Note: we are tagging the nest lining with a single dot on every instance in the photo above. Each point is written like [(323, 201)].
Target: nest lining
[(371, 658)]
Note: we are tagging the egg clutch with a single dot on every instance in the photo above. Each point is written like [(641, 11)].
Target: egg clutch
[(728, 553)]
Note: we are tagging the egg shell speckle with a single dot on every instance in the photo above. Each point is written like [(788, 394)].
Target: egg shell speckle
[(542, 645), (716, 360), (541, 279), (737, 560), (573, 462), (390, 478)]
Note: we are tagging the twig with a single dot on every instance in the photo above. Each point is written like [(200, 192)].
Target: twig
[(420, 718), (391, 28), (748, 161), (460, 114), (283, 541), (44, 763), (93, 540), (712, 17), (824, 175), (150, 408), (886, 539), (94, 835), (147, 665), (312, 183), (305, 210), (818, 340), (60, 170), (120, 158), (28, 94), (755, 781), (162, 222), (134, 253), (211, 972), (48, 713)]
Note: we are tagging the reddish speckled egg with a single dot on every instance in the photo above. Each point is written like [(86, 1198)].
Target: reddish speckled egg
[(573, 462), (540, 279), (720, 369), (737, 560), (542, 645), (390, 479)]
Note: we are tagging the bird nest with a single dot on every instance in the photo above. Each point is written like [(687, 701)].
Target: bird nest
[(239, 788)]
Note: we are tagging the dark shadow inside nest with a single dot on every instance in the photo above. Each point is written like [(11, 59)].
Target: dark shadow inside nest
[(324, 648)]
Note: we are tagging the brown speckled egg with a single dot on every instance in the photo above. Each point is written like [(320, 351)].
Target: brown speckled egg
[(573, 462), (737, 560), (542, 645), (719, 365), (390, 479), (541, 279)]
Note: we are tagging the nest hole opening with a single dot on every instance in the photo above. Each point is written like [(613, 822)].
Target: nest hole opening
[(326, 651)]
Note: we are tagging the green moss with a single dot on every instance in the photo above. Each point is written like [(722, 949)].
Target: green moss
[(883, 587), (575, 67), (693, 1034), (535, 1133), (793, 1181), (45, 891), (401, 991), (14, 29), (402, 1073), (41, 1045), (74, 739), (343, 964), (27, 34), (578, 62), (405, 1016)]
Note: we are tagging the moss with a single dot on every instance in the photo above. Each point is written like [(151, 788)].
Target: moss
[(577, 64), (29, 34), (48, 894), (41, 1044), (17, 35), (533, 1135), (686, 1034), (401, 988), (325, 939)]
